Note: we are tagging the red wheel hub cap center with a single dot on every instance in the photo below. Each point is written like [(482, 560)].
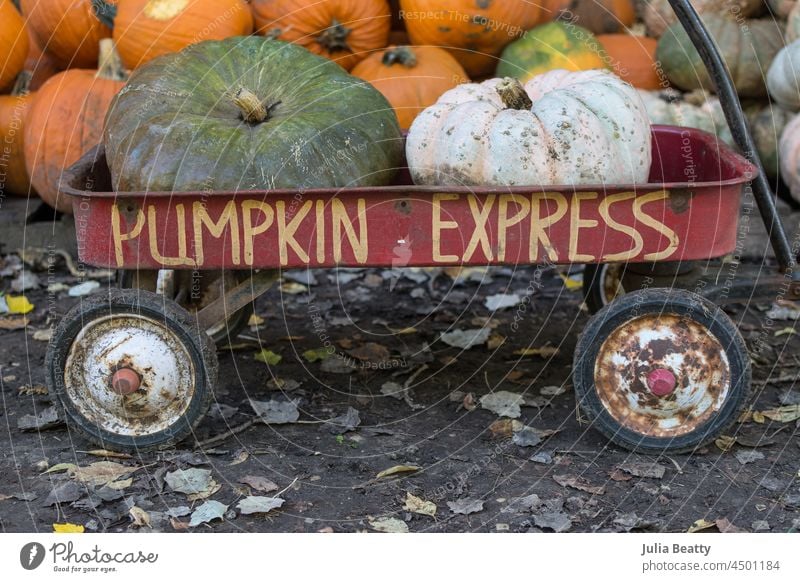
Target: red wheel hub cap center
[(125, 381), (661, 382)]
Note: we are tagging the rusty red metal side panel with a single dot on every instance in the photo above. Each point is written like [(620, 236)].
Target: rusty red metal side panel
[(689, 210), (405, 229)]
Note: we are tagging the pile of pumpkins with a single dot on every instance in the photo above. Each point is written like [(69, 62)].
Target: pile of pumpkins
[(62, 62)]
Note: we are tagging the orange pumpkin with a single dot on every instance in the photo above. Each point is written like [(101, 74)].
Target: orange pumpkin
[(344, 31), (599, 16), (411, 78), (13, 110), (69, 30), (632, 58), (66, 119), (474, 31), (145, 29), (40, 64), (13, 44)]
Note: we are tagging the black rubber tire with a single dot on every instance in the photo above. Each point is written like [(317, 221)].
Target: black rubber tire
[(178, 320), (594, 292), (662, 301), (235, 324)]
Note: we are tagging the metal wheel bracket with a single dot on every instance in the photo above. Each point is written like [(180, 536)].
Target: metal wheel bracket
[(237, 298)]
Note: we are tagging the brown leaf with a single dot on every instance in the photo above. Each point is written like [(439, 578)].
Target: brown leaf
[(398, 469), (140, 517), (700, 525), (259, 483), (34, 390), (639, 469), (542, 352), (11, 323), (495, 341), (370, 352), (617, 475), (178, 525), (469, 402), (725, 526), (579, 483), (505, 427), (725, 443), (780, 414)]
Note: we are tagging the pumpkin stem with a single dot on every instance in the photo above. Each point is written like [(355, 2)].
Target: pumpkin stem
[(110, 65), (253, 110), (513, 94), (22, 86), (334, 38), (400, 54)]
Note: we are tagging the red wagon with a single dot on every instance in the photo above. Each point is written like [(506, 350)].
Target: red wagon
[(659, 366)]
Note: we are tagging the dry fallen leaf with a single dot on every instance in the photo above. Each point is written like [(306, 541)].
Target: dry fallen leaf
[(780, 414), (67, 528), (503, 403), (13, 323), (389, 525), (252, 504), (207, 512), (108, 454), (725, 443), (416, 505), (700, 525), (465, 506), (579, 483), (140, 517), (101, 473), (121, 484), (268, 357), (398, 469), (505, 427), (259, 483)]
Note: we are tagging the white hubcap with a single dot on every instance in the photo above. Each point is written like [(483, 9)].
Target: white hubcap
[(147, 347)]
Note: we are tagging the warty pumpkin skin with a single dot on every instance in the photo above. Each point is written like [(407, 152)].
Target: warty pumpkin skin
[(668, 108), (658, 15), (789, 154), (69, 30), (474, 31), (747, 50), (145, 29), (344, 31), (249, 113), (563, 127), (66, 119), (13, 111), (632, 58), (13, 44), (783, 77), (411, 78), (556, 45)]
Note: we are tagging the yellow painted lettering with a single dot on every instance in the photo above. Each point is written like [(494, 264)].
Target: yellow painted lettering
[(439, 225), (182, 260), (539, 224), (341, 220), (576, 224), (479, 234), (251, 231), (119, 236), (286, 231), (504, 222), (640, 215), (228, 218), (638, 243)]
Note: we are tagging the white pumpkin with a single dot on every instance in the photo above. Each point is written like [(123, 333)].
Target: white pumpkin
[(783, 77), (586, 127), (789, 156)]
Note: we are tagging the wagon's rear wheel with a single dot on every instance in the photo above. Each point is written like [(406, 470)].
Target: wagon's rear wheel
[(602, 283), (131, 370), (194, 290), (661, 370)]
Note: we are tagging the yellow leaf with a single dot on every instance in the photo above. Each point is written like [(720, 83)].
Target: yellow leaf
[(122, 484), (785, 331), (67, 528), (140, 517), (268, 357), (18, 304), (417, 505), (101, 473), (398, 469), (61, 467), (780, 414), (700, 525), (255, 320), (544, 351), (573, 282), (317, 355), (292, 288), (403, 331), (725, 443), (495, 341)]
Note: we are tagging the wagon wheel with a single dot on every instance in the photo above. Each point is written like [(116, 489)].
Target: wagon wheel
[(195, 290), (130, 370), (661, 370), (602, 283)]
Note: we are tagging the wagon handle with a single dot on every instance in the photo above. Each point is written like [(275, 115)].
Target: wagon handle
[(729, 100)]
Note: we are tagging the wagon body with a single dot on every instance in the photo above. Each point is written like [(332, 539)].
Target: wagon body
[(687, 210)]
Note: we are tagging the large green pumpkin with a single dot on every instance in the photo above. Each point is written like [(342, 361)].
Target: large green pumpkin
[(747, 48), (249, 113)]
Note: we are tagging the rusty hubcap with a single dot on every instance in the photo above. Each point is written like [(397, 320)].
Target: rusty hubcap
[(129, 374), (662, 375)]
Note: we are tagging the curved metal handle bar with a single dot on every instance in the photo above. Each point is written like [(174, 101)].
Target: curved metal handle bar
[(734, 115)]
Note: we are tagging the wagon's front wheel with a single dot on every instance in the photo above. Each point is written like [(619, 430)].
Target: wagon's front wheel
[(661, 370), (131, 370)]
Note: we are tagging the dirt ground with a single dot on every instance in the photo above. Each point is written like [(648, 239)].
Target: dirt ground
[(469, 465)]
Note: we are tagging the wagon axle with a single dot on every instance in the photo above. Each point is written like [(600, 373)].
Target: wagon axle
[(125, 381), (661, 382)]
